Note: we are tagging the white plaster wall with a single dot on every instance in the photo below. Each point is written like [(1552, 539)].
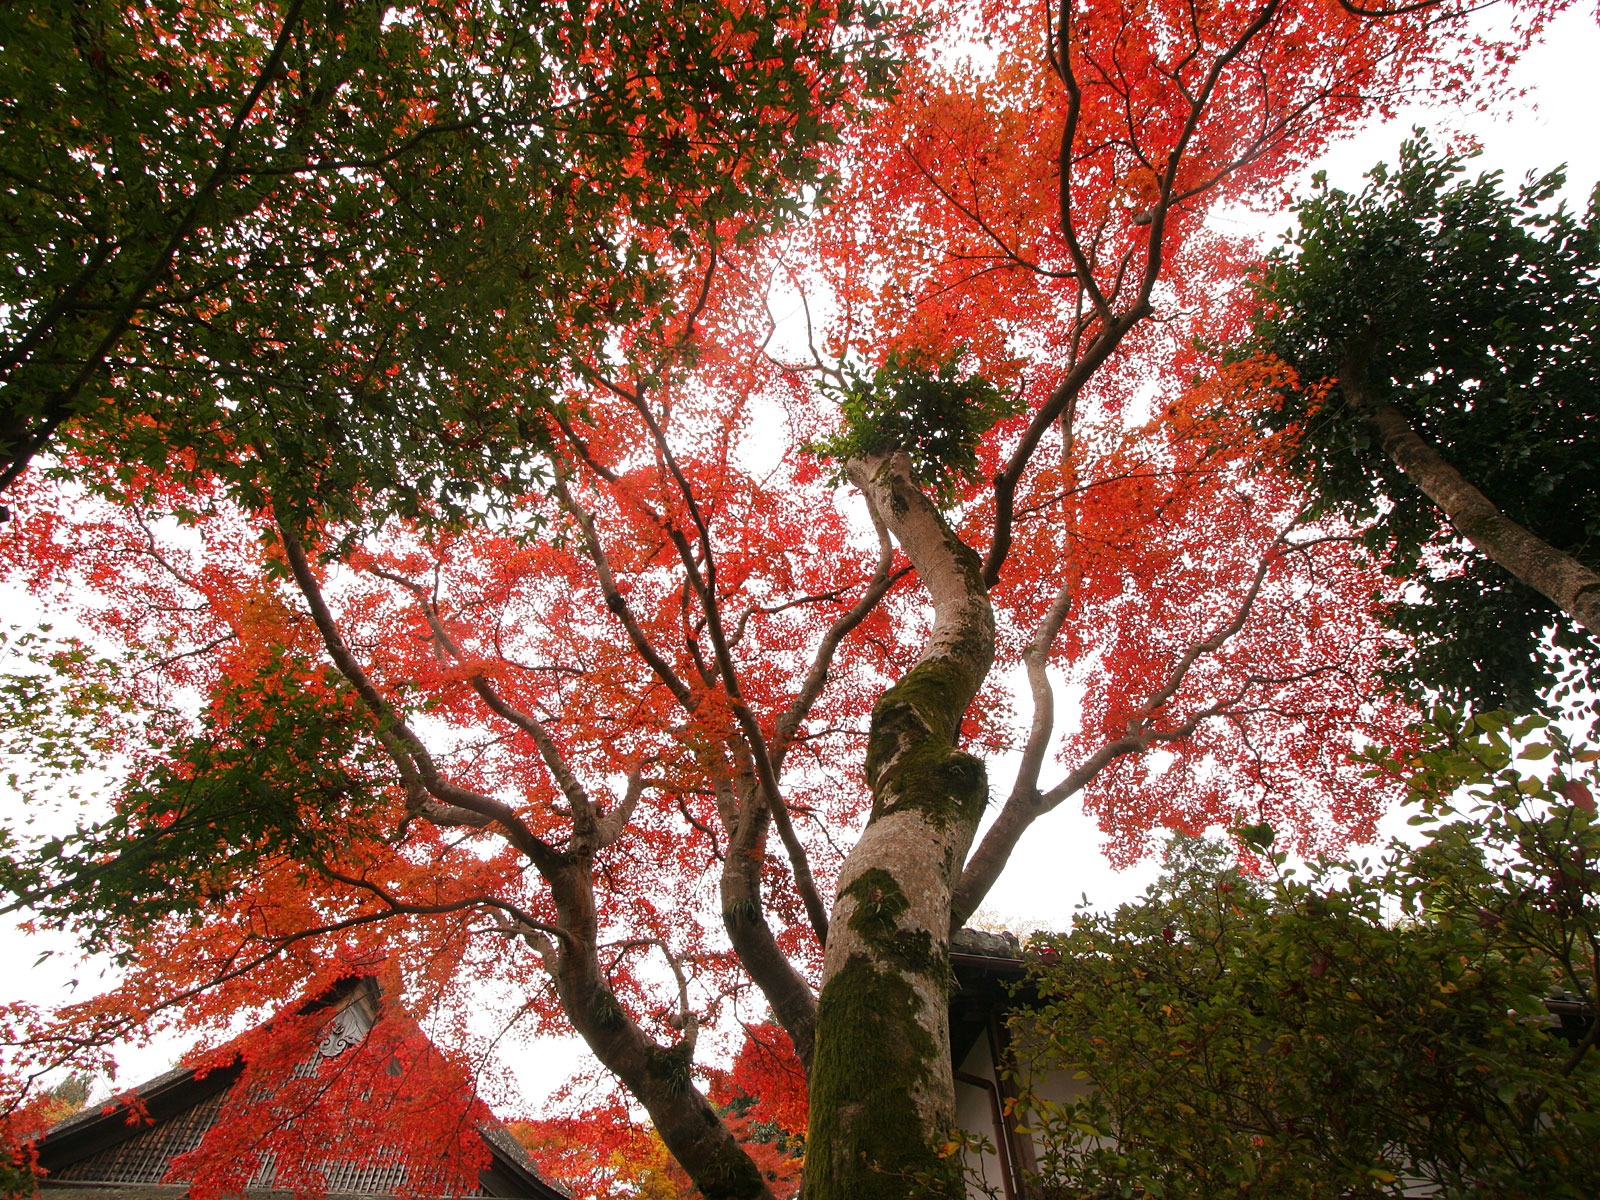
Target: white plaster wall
[(974, 1114)]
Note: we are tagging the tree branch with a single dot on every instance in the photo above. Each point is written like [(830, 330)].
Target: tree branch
[(405, 748)]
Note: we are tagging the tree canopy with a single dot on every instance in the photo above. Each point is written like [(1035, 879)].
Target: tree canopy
[(342, 256), (680, 736), (1473, 313)]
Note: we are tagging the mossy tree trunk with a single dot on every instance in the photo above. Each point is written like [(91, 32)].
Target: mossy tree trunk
[(882, 1093)]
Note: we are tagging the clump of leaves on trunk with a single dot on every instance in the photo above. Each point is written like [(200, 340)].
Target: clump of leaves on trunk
[(929, 407)]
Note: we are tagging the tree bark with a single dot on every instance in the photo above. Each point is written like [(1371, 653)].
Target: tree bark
[(1564, 580), (657, 1076), (882, 1092), (744, 917)]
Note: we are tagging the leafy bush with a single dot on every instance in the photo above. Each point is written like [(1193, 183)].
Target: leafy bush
[(928, 408), (1356, 1030)]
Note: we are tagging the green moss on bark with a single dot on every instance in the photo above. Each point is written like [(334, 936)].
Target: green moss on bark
[(967, 559), (926, 703), (670, 1065), (910, 759), (607, 1012), (879, 904), (873, 1058)]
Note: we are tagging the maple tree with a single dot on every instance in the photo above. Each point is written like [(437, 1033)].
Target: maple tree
[(594, 759), (602, 1152), (599, 1150), (389, 1103), (300, 246)]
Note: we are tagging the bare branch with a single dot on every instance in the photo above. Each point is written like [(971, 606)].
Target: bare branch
[(416, 765), (617, 603), (883, 579), (610, 826), (410, 907)]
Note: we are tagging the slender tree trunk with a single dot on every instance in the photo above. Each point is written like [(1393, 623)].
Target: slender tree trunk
[(657, 1076), (1566, 582), (743, 915), (882, 1093)]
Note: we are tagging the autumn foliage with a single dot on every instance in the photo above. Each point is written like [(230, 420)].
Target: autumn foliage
[(302, 1118), (599, 1150), (587, 755)]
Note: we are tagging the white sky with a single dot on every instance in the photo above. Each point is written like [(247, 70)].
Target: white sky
[(1061, 859)]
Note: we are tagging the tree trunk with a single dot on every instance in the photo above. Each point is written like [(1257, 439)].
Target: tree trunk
[(743, 916), (657, 1076), (882, 1093), (1562, 579)]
